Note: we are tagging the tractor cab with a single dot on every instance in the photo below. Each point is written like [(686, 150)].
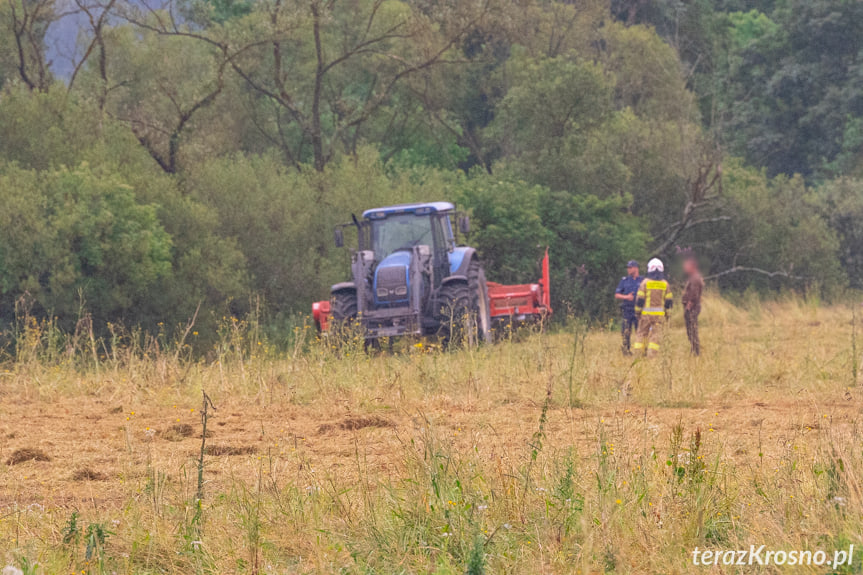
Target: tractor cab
[(391, 231), (398, 234), (384, 231)]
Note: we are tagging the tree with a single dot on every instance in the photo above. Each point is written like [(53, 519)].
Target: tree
[(550, 109), (775, 236), (593, 238), (160, 98), (840, 203), (796, 92), (508, 229), (321, 71), (22, 46)]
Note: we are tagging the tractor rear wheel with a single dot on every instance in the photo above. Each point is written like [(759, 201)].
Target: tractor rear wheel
[(453, 313), (463, 309), (480, 306)]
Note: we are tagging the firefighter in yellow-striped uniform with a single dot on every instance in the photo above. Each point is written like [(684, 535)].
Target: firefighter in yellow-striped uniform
[(653, 301)]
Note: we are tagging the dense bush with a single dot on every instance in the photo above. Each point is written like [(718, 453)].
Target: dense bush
[(74, 240)]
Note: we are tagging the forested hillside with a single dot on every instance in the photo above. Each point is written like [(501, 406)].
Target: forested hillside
[(200, 152)]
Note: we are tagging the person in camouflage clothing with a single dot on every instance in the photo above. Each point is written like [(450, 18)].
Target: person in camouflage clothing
[(652, 302), (692, 302)]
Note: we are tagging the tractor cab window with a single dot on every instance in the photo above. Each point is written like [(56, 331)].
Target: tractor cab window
[(447, 231), (400, 232)]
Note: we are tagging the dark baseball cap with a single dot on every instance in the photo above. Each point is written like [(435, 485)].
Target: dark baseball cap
[(632, 264)]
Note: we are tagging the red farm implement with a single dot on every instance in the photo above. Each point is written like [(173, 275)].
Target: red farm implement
[(521, 303), (321, 314), (508, 304)]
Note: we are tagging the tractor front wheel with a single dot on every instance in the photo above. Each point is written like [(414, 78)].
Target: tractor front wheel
[(344, 315)]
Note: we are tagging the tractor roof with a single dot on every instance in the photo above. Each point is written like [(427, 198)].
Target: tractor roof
[(419, 209)]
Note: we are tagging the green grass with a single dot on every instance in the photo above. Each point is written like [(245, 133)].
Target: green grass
[(522, 457)]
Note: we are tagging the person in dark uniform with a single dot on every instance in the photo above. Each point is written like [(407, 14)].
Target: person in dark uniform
[(625, 294)]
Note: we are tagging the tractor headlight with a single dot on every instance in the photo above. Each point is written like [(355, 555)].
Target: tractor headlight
[(383, 292), (402, 290)]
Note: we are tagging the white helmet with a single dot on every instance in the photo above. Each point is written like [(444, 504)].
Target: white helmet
[(655, 265)]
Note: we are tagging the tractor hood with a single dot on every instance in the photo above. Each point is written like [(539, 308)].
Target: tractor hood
[(391, 280)]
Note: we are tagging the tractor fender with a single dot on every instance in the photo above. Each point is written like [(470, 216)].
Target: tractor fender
[(459, 260), (343, 286), (453, 279)]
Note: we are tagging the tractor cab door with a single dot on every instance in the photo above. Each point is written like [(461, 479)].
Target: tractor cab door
[(364, 239), (442, 233)]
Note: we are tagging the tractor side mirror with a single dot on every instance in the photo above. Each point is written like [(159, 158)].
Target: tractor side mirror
[(464, 224), (339, 237)]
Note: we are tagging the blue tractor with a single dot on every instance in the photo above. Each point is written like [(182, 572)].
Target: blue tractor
[(410, 278)]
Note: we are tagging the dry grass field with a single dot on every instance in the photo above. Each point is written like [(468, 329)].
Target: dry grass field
[(550, 453)]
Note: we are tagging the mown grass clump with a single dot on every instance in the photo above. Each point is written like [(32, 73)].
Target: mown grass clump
[(27, 454)]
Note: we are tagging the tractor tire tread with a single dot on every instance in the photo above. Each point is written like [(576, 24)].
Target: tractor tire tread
[(344, 306), (477, 285)]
